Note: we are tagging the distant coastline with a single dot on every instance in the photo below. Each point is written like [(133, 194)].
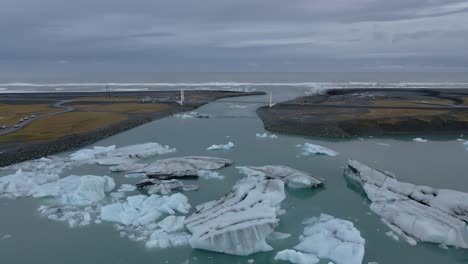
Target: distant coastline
[(12, 152)]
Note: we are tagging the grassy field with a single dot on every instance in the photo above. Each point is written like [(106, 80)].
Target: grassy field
[(12, 113), (410, 102), (55, 126), (88, 116), (112, 99), (123, 107)]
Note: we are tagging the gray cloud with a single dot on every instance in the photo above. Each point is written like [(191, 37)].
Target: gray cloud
[(242, 35)]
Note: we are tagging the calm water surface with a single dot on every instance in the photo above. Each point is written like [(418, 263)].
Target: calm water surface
[(441, 162)]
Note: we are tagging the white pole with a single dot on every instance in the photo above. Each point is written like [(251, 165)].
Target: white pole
[(271, 95), (182, 97)]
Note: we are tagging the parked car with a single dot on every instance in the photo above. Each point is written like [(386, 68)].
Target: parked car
[(2, 127), (32, 116), (21, 120), (16, 126), (26, 118)]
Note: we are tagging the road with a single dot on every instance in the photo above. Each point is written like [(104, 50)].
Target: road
[(26, 122)]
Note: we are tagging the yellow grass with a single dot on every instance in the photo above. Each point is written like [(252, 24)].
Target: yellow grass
[(123, 107), (55, 126), (112, 99), (8, 112), (410, 102), (386, 112)]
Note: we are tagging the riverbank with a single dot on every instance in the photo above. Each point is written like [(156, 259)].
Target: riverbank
[(344, 113), (96, 117)]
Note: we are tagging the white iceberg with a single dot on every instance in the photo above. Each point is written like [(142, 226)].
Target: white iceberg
[(417, 213), (311, 149), (218, 147), (238, 106), (326, 237), (182, 167), (76, 190), (162, 239), (154, 186), (239, 222), (265, 135), (207, 174), (73, 215), (142, 210), (21, 182), (172, 223), (421, 140), (296, 257), (90, 154), (291, 177), (115, 156), (126, 188)]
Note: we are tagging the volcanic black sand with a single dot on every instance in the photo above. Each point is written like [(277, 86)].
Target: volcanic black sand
[(123, 107), (344, 113)]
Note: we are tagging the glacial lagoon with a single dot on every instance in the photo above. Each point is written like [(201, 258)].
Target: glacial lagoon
[(441, 162)]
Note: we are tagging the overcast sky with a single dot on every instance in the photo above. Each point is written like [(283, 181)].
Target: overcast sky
[(234, 35)]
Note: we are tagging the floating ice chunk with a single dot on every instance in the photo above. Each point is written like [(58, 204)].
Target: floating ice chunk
[(392, 235), (20, 183), (206, 174), (278, 236), (162, 239), (73, 215), (418, 213), (76, 190), (292, 177), (330, 238), (265, 135), (143, 210), (421, 140), (135, 175), (127, 167), (238, 106), (126, 188), (172, 223), (89, 154), (165, 186), (114, 156), (5, 237), (296, 257), (182, 167), (218, 147), (383, 144), (239, 222), (311, 149)]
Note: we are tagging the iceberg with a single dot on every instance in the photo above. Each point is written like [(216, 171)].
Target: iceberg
[(115, 156), (218, 147), (137, 218), (265, 135), (421, 140), (327, 237), (296, 257), (311, 149), (182, 167), (240, 221), (207, 174), (75, 190), (416, 213), (143, 210), (238, 106), (291, 177), (154, 186), (74, 216), (126, 188), (172, 223), (21, 182)]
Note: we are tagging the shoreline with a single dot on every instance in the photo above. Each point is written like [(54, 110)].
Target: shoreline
[(12, 153), (348, 113)]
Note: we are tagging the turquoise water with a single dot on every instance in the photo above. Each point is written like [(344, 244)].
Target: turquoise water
[(441, 162)]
